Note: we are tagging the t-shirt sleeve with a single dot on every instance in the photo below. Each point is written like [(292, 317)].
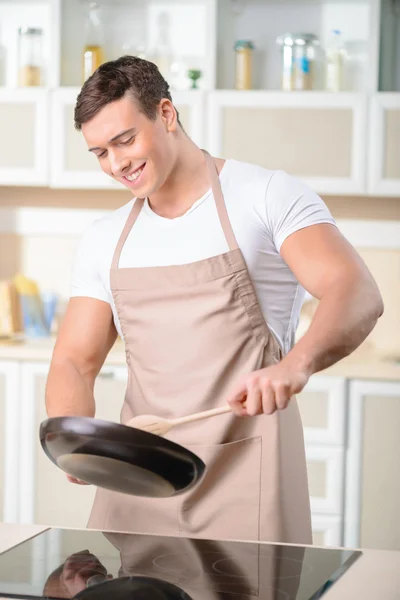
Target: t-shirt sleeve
[(291, 205), (85, 278)]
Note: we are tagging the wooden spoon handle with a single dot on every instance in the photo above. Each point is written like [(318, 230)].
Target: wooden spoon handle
[(201, 415)]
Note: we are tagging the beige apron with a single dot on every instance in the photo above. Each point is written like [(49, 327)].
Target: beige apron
[(191, 331)]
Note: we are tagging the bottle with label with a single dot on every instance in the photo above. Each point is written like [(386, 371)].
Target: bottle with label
[(244, 64), (93, 51), (334, 62)]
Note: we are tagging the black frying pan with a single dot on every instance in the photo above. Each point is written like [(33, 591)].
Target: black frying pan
[(133, 588), (120, 458)]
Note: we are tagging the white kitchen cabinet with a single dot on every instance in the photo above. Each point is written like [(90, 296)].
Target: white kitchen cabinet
[(372, 513), (318, 137), (325, 467), (73, 166), (322, 406), (46, 497), (24, 126), (384, 145), (9, 439), (327, 530), (352, 450)]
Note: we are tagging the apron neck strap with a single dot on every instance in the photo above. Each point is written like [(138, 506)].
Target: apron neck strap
[(219, 202), (133, 215)]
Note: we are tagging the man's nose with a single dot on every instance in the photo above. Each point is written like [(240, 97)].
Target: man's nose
[(119, 165)]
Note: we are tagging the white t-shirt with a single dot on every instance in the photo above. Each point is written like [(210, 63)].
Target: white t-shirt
[(264, 208)]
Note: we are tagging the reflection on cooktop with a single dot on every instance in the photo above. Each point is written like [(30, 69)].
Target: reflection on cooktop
[(93, 565)]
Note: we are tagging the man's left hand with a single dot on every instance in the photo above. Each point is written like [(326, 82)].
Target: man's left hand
[(267, 390)]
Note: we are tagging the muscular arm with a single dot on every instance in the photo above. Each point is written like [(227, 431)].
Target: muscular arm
[(350, 302), (350, 305), (86, 336)]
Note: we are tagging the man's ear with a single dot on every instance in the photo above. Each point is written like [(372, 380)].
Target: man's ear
[(168, 115)]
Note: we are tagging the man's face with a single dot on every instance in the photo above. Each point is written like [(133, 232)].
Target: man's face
[(130, 147)]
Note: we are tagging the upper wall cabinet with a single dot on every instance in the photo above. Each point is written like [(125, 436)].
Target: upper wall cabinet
[(384, 145), (24, 132), (186, 35), (239, 109), (318, 137), (72, 166)]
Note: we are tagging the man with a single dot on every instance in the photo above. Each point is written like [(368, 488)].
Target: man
[(203, 276)]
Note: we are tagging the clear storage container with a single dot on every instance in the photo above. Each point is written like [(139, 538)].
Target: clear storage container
[(298, 60), (30, 56)]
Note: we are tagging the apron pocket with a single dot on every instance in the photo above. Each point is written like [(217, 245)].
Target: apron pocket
[(226, 503)]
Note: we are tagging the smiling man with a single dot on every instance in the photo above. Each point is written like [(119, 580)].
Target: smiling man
[(203, 274)]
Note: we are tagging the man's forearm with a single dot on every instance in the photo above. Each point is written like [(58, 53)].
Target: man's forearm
[(345, 316), (68, 392)]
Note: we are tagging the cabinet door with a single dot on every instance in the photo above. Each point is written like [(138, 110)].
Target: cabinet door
[(74, 167), (46, 497), (326, 530), (322, 409), (317, 137), (384, 145), (9, 427), (24, 128), (372, 515), (325, 469)]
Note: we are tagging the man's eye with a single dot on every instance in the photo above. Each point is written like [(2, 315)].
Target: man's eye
[(126, 142)]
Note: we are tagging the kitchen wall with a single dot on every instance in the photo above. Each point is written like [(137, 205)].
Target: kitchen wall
[(48, 258)]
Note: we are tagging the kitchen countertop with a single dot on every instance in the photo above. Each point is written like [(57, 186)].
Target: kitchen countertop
[(375, 575), (364, 363)]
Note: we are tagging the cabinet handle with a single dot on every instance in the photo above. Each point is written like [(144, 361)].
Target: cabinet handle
[(107, 374)]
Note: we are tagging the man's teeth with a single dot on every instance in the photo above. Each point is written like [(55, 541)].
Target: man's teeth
[(134, 175)]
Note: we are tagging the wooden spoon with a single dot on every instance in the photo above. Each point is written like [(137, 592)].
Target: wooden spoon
[(160, 426)]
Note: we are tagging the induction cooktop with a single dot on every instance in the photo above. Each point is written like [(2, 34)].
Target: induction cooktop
[(61, 563)]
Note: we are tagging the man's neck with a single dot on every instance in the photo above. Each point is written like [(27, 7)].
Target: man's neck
[(188, 182)]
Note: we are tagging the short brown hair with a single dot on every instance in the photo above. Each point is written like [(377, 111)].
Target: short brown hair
[(113, 79)]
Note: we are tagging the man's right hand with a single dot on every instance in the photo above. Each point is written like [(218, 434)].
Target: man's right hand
[(86, 335)]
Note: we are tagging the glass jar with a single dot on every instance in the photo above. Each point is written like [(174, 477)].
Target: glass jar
[(298, 60), (244, 59), (30, 56), (93, 51)]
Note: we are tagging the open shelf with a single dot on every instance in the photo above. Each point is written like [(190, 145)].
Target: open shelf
[(202, 34), (19, 13), (262, 21), (131, 27)]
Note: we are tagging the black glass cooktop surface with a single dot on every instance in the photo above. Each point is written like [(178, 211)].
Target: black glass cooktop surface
[(84, 564)]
